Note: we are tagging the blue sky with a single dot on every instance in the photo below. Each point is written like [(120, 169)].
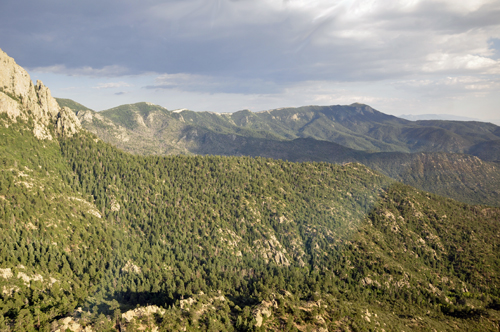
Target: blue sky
[(400, 57)]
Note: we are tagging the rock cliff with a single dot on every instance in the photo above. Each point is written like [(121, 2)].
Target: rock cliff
[(20, 98)]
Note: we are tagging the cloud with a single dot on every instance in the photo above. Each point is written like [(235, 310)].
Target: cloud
[(112, 85), (262, 47), (447, 62), (106, 71), (278, 40), (211, 84), (460, 87)]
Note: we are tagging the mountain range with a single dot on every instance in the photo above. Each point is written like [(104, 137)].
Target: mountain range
[(93, 238), (450, 158)]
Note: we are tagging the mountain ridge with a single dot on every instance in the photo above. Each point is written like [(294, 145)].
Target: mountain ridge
[(144, 129), (355, 126)]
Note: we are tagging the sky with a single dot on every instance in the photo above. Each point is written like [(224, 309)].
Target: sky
[(400, 57)]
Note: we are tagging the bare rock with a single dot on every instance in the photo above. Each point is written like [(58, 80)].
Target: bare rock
[(20, 98), (67, 123), (6, 273)]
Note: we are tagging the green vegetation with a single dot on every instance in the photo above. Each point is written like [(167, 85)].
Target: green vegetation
[(73, 105), (356, 126), (462, 177), (232, 243), (314, 133)]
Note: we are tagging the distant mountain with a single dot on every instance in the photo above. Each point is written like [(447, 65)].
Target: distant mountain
[(355, 126), (71, 104), (450, 117), (462, 177), (305, 134)]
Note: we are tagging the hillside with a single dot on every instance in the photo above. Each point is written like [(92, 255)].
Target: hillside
[(71, 104), (356, 126), (99, 239), (148, 129), (462, 177), (295, 241)]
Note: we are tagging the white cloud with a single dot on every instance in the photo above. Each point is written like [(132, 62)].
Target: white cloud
[(112, 85), (446, 62), (457, 87), (106, 71), (286, 52)]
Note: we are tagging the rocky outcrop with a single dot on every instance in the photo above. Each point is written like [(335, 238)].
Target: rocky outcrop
[(142, 312), (20, 98), (67, 124), (272, 250), (130, 267), (264, 309)]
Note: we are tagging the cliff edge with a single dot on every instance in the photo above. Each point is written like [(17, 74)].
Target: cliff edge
[(20, 98)]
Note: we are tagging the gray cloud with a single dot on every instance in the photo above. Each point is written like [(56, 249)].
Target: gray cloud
[(252, 46)]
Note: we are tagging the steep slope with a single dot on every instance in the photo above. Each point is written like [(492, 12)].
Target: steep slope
[(273, 217), (150, 129), (144, 128), (361, 127), (71, 104), (46, 224), (462, 177), (355, 126), (19, 98), (489, 150), (347, 125), (279, 238)]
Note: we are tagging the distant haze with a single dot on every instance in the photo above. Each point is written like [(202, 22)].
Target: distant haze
[(414, 117)]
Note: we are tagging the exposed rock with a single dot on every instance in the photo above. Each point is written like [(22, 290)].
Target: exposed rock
[(9, 291), (272, 249), (92, 209), (131, 268), (142, 312), (68, 323), (367, 282), (10, 106), (20, 98), (27, 279), (264, 309), (6, 273), (187, 302), (41, 132), (67, 122), (115, 206)]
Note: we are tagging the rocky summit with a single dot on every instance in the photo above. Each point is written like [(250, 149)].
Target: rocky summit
[(19, 97)]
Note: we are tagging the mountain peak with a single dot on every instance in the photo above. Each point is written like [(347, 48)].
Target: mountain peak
[(20, 98)]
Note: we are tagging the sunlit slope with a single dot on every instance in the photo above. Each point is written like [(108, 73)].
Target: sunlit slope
[(50, 233), (359, 236), (256, 229), (146, 129), (355, 126), (73, 105)]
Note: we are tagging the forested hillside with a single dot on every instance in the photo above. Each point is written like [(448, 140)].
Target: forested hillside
[(148, 129), (309, 244), (355, 126)]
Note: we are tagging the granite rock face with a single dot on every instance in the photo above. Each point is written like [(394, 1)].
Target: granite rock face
[(20, 98)]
